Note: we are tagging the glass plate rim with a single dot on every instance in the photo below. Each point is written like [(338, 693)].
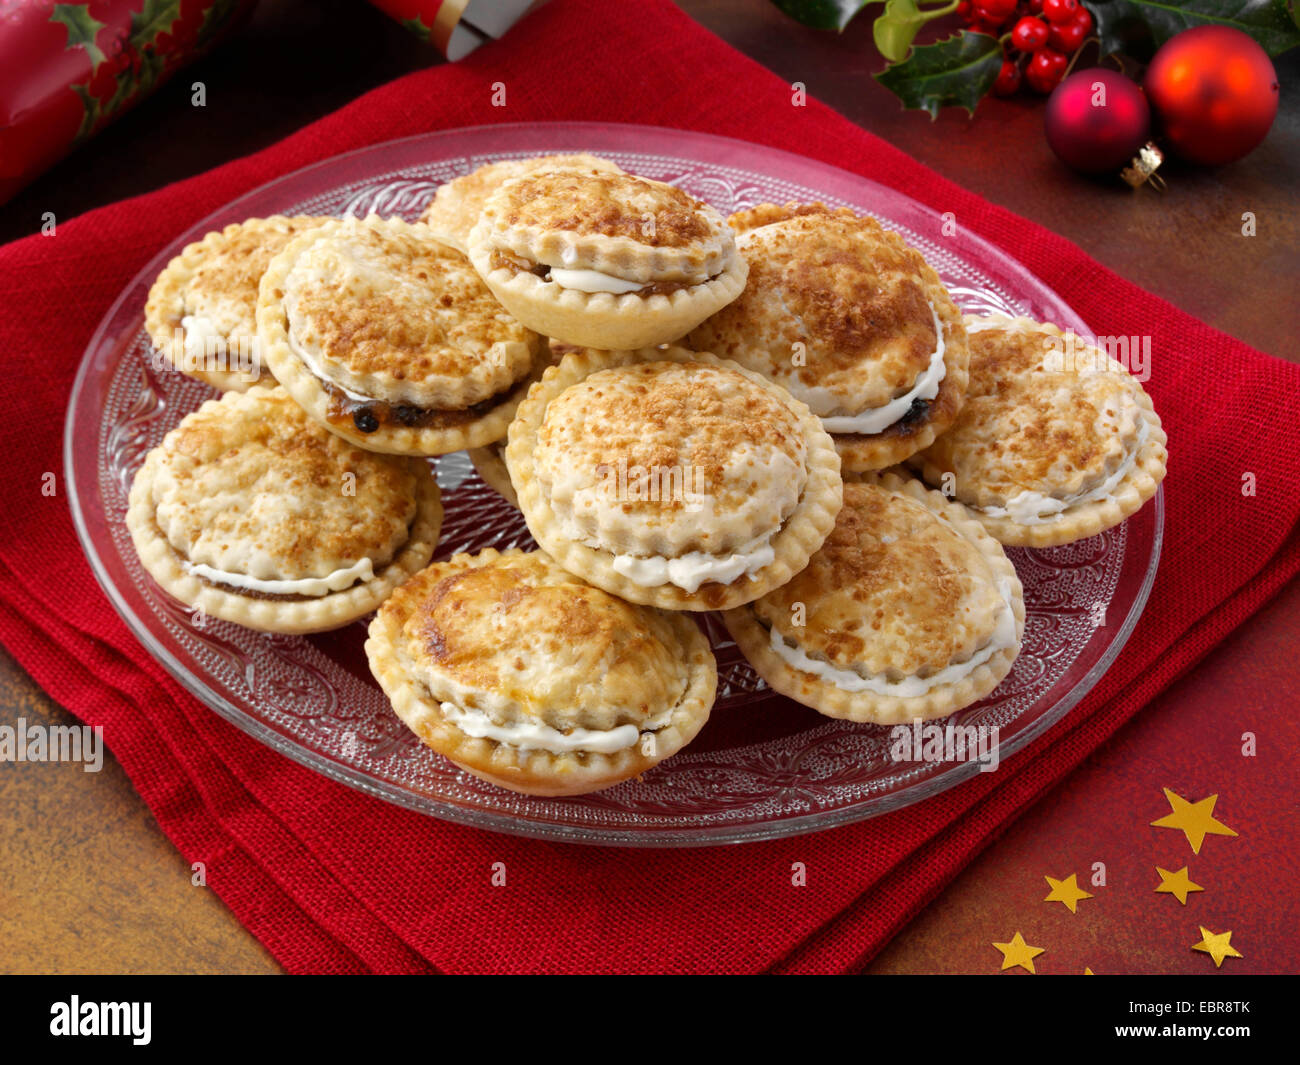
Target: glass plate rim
[(505, 823)]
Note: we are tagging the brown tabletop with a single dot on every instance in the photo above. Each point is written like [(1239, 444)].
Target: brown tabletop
[(89, 882)]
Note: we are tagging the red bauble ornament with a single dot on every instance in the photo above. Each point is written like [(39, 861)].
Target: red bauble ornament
[(1096, 120), (1214, 92)]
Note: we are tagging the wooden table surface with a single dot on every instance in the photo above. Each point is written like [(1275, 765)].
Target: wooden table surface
[(87, 880)]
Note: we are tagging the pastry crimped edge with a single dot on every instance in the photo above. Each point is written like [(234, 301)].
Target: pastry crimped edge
[(491, 467), (539, 772), (868, 707), (1087, 519), (862, 453), (603, 319), (445, 212), (312, 396), (171, 283), (317, 614), (794, 543)]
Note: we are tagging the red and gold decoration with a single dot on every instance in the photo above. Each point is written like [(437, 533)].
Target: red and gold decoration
[(67, 70), (1215, 93), (1196, 821), (456, 27), (1096, 120), (1210, 93)]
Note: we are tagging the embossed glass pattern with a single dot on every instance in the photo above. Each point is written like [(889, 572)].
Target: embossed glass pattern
[(763, 766)]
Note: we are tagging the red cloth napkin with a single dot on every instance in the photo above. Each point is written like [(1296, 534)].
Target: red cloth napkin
[(334, 881)]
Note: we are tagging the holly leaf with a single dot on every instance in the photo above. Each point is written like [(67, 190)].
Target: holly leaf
[(157, 16), (897, 26), (82, 30), (957, 71), (419, 29), (1267, 21), (823, 14), (215, 19), (90, 112)]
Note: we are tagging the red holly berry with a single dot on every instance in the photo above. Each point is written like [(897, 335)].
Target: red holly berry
[(1045, 70), (1067, 36), (963, 9), (1008, 79), (1035, 6), (994, 10), (1029, 34), (1084, 18), (1059, 11)]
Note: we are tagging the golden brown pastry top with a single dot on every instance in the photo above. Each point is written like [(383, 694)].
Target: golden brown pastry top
[(248, 484), (222, 287), (1039, 417), (895, 590), (725, 458), (837, 309), (615, 223), (387, 311), (458, 203), (519, 638)]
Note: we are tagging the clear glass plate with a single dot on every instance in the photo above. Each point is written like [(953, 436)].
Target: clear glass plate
[(764, 766)]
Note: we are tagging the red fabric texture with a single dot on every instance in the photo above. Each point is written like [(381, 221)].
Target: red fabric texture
[(335, 881)]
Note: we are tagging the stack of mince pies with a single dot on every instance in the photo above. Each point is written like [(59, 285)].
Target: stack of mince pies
[(781, 416)]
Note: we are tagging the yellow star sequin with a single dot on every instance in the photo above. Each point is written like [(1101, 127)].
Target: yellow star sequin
[(1217, 947), (1178, 884), (1088, 972), (1067, 892), (1193, 819), (1018, 952)]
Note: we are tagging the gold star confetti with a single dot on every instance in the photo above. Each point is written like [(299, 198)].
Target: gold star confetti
[(1067, 892), (1217, 947), (1088, 972), (1193, 819), (1178, 884), (1018, 952)]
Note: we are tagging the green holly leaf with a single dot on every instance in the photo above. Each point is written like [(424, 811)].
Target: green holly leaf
[(957, 71), (121, 94), (897, 26), (418, 28), (157, 16), (151, 70), (215, 19), (82, 30), (823, 14), (90, 113), (1269, 22)]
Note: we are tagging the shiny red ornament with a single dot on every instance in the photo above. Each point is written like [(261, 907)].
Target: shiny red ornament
[(1214, 93), (1096, 120)]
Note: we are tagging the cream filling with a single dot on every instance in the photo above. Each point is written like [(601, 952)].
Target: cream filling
[(692, 569), (593, 281), (910, 687), (337, 581), (878, 419), (534, 736), (201, 331), (1035, 508), (319, 373)]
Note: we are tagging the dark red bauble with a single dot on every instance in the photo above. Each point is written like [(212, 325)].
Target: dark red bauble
[(1214, 92), (1096, 120)]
